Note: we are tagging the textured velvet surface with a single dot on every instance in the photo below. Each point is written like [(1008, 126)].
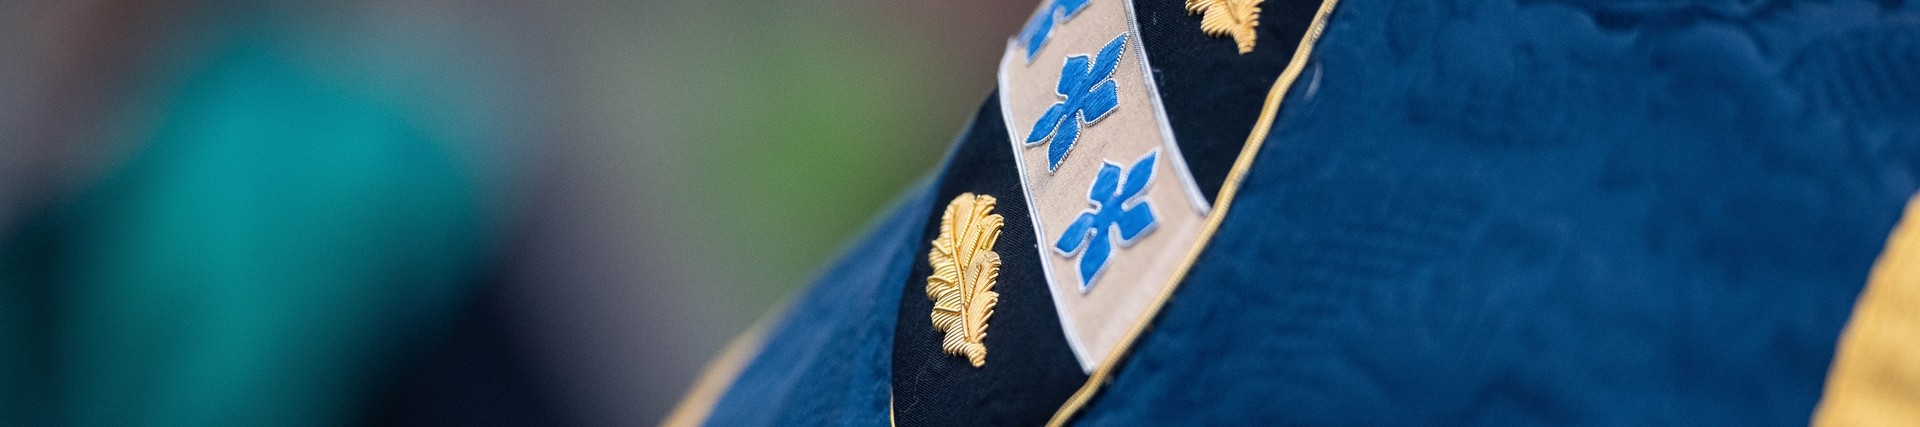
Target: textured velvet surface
[(1490, 212), (1560, 213)]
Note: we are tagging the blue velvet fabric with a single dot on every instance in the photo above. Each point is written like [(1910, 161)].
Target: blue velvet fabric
[(1494, 212), (828, 360), (1548, 213)]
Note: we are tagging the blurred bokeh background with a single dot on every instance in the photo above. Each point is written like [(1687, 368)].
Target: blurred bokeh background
[(426, 212)]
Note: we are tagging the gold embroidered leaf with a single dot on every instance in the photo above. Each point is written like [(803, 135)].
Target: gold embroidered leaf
[(1228, 18), (964, 271)]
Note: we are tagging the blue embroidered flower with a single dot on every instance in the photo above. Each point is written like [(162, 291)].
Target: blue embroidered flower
[(1111, 212), (1089, 94), (1040, 27)]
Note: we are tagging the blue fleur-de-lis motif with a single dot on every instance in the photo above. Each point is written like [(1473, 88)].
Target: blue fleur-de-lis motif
[(1087, 93), (1040, 27), (1115, 208)]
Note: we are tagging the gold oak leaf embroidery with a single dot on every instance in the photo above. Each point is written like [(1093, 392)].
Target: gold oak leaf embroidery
[(964, 270), (1228, 17)]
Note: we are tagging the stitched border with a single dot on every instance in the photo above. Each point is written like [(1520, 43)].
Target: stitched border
[(1033, 209), (1195, 198)]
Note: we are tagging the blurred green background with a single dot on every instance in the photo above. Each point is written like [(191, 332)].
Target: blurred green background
[(440, 212)]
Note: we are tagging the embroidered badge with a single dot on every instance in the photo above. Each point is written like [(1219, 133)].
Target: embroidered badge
[(964, 270), (1228, 18), (1092, 219), (1126, 179), (1087, 94), (1116, 207), (1040, 27)]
